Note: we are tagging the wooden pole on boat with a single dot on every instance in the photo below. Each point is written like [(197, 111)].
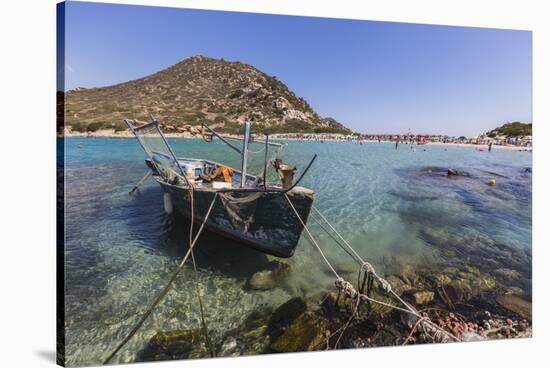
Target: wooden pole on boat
[(141, 181), (245, 153), (265, 158)]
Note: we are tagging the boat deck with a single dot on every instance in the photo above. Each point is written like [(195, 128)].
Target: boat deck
[(252, 181)]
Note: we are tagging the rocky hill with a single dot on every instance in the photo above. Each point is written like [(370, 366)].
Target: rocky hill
[(222, 94), (515, 129)]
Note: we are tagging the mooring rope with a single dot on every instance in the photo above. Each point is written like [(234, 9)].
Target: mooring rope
[(197, 274), (357, 256), (368, 266), (165, 290), (355, 307), (334, 238), (414, 329), (349, 290), (352, 293), (145, 177), (311, 237)]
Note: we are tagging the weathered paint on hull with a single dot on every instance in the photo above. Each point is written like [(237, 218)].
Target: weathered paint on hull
[(274, 230)]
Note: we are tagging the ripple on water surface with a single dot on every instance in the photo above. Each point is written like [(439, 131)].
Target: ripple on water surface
[(396, 207)]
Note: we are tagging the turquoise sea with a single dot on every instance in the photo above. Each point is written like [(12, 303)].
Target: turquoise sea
[(397, 208)]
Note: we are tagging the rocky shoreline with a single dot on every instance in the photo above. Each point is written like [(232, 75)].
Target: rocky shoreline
[(470, 305)]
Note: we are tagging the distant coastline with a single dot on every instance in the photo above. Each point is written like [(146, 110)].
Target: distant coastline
[(111, 133)]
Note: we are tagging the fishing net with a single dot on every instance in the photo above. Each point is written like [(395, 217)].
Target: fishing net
[(240, 208), (157, 149)]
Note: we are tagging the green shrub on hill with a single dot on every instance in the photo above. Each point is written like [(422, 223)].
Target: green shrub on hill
[(94, 127), (515, 129)]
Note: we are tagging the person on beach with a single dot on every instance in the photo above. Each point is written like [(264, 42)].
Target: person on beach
[(490, 146), (396, 143)]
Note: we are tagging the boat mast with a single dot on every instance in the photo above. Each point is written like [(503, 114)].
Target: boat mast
[(245, 153)]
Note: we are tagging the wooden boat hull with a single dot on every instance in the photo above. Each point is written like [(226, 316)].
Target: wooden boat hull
[(260, 220)]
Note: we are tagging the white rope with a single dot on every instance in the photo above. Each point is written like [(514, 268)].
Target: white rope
[(312, 238), (348, 288), (364, 264), (145, 177), (338, 234), (350, 291), (165, 290)]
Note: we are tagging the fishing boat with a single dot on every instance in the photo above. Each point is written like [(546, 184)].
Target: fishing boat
[(266, 216)]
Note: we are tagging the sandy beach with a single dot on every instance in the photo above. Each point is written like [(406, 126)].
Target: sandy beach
[(111, 133)]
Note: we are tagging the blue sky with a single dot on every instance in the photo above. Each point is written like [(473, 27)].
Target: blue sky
[(372, 76)]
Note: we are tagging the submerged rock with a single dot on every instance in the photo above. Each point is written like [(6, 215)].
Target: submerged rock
[(507, 274), (249, 338), (269, 278), (484, 282), (412, 196), (304, 334), (255, 333), (330, 304), (454, 172), (467, 276), (452, 293), (472, 270), (229, 347), (408, 274), (175, 344), (284, 315), (254, 326), (514, 290), (441, 279), (377, 309), (450, 270), (398, 285), (423, 297), (516, 304)]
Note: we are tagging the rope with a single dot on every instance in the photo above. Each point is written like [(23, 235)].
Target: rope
[(164, 291), (333, 238), (414, 329), (197, 274), (349, 290), (340, 282), (368, 267), (357, 256), (203, 320), (312, 238), (347, 322), (145, 177)]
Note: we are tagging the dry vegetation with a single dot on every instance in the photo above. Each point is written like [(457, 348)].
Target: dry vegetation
[(220, 93)]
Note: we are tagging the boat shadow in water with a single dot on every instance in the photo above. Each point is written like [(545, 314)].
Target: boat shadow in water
[(169, 234), (212, 251)]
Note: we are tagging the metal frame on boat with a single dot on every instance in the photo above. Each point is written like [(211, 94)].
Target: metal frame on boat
[(251, 210)]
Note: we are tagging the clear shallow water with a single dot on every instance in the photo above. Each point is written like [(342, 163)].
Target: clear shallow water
[(396, 207)]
